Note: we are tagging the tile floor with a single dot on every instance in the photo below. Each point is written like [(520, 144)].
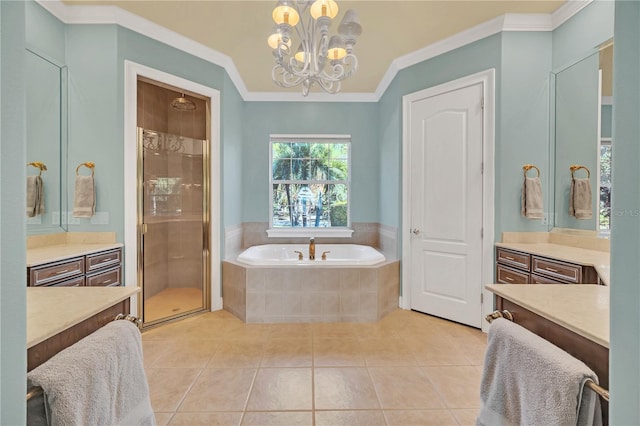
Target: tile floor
[(407, 369)]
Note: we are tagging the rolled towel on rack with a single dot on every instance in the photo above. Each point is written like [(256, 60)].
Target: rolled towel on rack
[(527, 380), (35, 196), (580, 198), (531, 205), (99, 380), (84, 202)]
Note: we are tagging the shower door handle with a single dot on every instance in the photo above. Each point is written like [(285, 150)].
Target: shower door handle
[(143, 229)]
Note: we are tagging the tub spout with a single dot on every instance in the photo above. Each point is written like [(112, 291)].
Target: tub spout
[(312, 249)]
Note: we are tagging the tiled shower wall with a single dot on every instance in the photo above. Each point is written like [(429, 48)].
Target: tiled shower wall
[(173, 249), (240, 237)]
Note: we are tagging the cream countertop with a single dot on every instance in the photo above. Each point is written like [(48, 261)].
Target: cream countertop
[(581, 308), (582, 256), (53, 253), (49, 248), (51, 310)]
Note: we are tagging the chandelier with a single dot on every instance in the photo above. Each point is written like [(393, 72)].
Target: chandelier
[(319, 59)]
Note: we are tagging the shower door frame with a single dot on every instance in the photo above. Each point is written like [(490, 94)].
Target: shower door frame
[(132, 226), (206, 242)]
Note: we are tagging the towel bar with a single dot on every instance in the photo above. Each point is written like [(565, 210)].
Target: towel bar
[(39, 165), (34, 391), (604, 393), (576, 167), (89, 165), (499, 314), (528, 167)]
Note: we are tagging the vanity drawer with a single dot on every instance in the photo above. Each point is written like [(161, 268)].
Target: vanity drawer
[(541, 279), (103, 260), (109, 278), (54, 272), (506, 275), (73, 282), (513, 258), (566, 272)]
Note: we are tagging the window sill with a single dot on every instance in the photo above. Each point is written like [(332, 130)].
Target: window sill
[(309, 232)]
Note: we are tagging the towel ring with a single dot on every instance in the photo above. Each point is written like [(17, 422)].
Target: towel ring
[(575, 167), (39, 165), (528, 167), (89, 165)]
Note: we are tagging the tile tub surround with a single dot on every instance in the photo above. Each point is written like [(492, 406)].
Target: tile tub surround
[(310, 294)]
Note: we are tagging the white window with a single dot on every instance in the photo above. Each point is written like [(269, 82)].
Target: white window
[(309, 185)]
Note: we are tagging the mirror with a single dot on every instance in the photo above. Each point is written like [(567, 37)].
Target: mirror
[(46, 129), (581, 135)]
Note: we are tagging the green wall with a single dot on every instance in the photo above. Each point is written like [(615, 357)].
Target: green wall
[(356, 119), (232, 155), (586, 30), (13, 362), (523, 123), (624, 357)]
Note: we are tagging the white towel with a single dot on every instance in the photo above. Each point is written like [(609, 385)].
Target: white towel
[(531, 206), (529, 381), (84, 202), (580, 198), (99, 380), (35, 196)]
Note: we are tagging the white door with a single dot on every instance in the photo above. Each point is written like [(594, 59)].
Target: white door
[(445, 132)]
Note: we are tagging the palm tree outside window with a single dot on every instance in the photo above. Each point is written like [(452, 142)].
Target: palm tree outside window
[(310, 181)]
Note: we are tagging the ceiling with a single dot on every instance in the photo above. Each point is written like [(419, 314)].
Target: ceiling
[(391, 29)]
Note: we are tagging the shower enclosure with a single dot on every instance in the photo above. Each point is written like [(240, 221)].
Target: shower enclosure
[(173, 156)]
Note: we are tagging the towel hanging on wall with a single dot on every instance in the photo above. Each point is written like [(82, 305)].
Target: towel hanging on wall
[(526, 380), (84, 200), (35, 196), (531, 200), (580, 195)]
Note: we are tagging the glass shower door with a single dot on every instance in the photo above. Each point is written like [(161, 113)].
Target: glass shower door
[(173, 226)]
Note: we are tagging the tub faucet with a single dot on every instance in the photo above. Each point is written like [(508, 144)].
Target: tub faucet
[(312, 249)]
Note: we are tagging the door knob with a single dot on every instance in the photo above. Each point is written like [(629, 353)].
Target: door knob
[(415, 231)]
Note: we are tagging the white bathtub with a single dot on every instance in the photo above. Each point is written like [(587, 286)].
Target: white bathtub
[(285, 255)]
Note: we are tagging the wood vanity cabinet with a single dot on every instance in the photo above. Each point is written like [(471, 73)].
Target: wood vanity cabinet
[(516, 267), (96, 269)]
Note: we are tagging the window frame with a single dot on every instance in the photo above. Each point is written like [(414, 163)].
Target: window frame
[(311, 231)]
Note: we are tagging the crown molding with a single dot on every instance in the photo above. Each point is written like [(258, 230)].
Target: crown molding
[(311, 97), (114, 15), (566, 11)]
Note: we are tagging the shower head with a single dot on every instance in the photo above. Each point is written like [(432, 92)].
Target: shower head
[(182, 104)]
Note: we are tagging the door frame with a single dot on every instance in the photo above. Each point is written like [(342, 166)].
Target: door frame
[(487, 79), (130, 188)]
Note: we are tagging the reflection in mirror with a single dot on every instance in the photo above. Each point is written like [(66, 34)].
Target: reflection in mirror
[(581, 119), (46, 128)]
